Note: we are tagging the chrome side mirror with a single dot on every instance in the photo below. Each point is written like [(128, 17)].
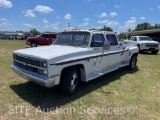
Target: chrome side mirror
[(106, 45)]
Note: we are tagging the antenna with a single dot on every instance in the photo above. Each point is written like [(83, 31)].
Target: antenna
[(68, 26)]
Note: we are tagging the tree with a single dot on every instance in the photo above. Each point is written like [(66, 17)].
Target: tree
[(157, 26), (144, 26), (106, 29), (122, 36), (34, 32)]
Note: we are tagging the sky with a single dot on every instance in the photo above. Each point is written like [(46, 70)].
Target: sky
[(54, 15)]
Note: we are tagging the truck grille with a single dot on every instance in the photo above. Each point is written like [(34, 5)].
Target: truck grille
[(29, 64), (151, 45)]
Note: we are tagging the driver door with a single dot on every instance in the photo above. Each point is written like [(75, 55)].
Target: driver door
[(96, 45)]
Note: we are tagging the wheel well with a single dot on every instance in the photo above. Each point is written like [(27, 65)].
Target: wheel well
[(34, 42), (135, 54), (79, 67)]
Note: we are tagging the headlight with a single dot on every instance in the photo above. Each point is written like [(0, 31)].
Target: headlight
[(45, 72), (143, 44), (44, 64)]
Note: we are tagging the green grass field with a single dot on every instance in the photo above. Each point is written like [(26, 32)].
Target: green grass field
[(119, 95)]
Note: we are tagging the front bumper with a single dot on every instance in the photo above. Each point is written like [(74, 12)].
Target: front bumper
[(28, 43), (49, 82), (149, 48)]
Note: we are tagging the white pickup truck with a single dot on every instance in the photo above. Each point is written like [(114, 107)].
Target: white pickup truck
[(145, 43), (75, 56)]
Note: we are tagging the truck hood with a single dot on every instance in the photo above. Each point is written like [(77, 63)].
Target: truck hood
[(148, 42), (47, 52), (32, 38)]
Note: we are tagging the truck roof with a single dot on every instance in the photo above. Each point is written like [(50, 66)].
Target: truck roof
[(90, 31)]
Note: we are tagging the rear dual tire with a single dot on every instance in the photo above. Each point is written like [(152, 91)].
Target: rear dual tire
[(133, 62)]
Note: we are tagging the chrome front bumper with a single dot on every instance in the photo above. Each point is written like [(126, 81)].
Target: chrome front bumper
[(149, 48), (49, 82)]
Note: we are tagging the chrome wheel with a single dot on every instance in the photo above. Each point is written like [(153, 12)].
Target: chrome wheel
[(133, 62), (74, 81), (69, 80)]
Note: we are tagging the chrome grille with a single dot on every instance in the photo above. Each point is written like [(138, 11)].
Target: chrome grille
[(29, 64), (151, 45)]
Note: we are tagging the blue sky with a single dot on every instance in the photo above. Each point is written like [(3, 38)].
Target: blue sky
[(54, 15)]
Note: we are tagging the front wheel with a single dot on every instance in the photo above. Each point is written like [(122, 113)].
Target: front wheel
[(69, 82), (33, 44), (154, 51), (133, 62)]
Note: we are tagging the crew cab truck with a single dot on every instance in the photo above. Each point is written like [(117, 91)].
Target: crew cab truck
[(75, 56), (43, 39), (145, 43)]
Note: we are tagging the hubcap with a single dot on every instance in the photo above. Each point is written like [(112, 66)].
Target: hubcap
[(74, 81), (33, 44)]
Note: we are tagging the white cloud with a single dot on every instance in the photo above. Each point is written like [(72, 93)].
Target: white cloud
[(131, 23), (55, 25), (151, 9), (4, 22), (103, 15), (45, 21), (43, 9), (29, 13), (67, 17), (116, 6), (142, 18), (86, 19), (28, 25), (5, 4), (102, 21), (108, 23), (84, 24), (113, 14)]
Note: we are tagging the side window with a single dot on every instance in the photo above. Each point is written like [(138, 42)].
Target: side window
[(112, 39), (135, 39), (97, 40), (45, 36)]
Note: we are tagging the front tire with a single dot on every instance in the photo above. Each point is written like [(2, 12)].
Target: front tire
[(69, 81), (154, 51), (133, 62), (33, 44)]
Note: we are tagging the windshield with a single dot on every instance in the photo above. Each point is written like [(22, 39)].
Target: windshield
[(77, 39), (145, 39)]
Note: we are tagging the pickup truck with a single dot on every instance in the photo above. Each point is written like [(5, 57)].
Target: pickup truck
[(75, 56), (43, 39), (145, 43)]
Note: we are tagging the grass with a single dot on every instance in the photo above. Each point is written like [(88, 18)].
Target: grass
[(119, 95)]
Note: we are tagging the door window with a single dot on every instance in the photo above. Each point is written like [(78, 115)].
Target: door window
[(45, 36), (97, 40)]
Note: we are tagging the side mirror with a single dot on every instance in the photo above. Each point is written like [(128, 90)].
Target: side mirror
[(106, 45)]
